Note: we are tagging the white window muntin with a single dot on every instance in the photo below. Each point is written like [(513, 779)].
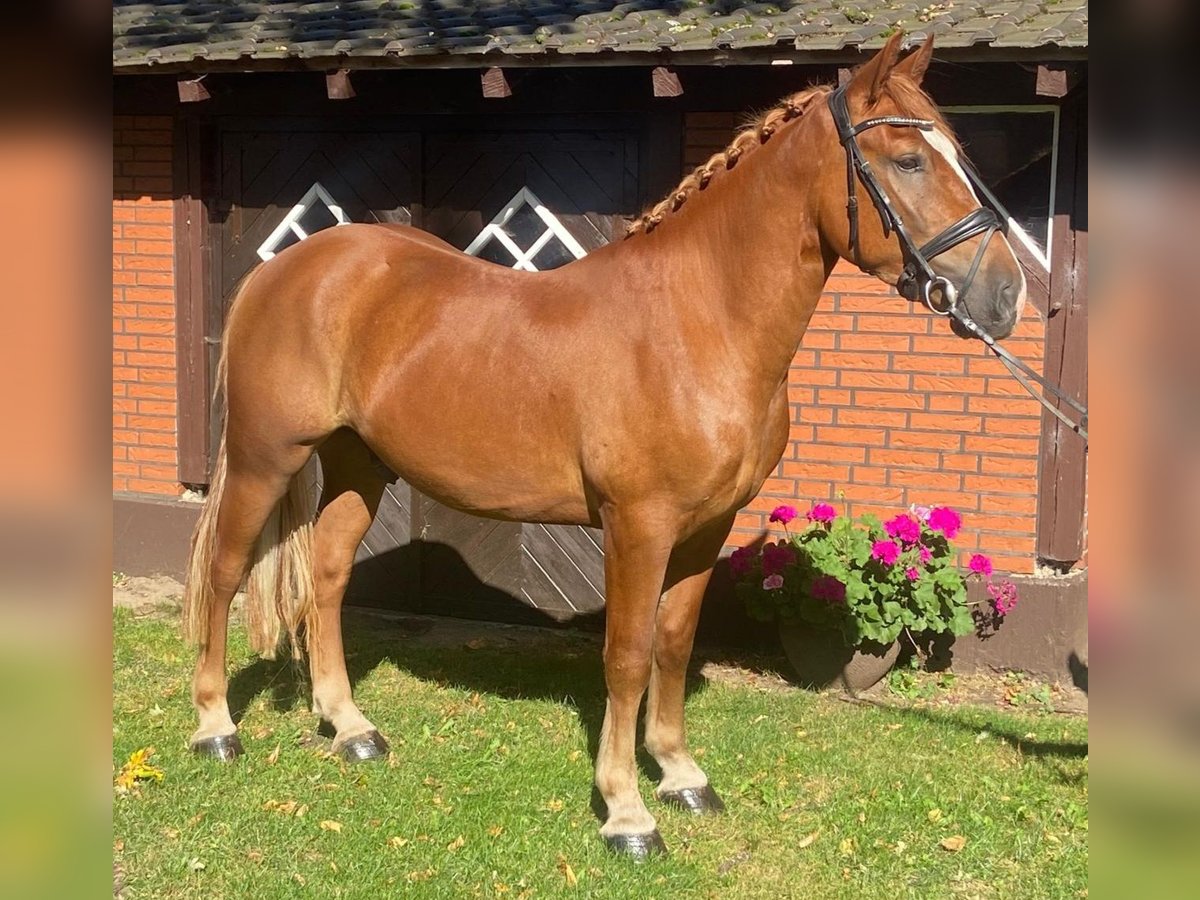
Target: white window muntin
[(494, 230), (291, 222), (1042, 256)]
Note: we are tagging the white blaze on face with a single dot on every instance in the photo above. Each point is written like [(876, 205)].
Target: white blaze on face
[(943, 145)]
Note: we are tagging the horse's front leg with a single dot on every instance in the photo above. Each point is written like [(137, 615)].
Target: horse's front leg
[(683, 782), (635, 561)]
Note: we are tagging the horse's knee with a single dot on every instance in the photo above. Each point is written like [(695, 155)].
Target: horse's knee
[(627, 667)]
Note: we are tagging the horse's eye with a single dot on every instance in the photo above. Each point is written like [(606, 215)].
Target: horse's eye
[(909, 163)]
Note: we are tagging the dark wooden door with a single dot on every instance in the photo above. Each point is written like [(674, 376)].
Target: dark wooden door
[(532, 200), (291, 173)]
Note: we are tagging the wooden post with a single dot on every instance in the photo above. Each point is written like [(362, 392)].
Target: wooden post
[(192, 264), (1062, 484)]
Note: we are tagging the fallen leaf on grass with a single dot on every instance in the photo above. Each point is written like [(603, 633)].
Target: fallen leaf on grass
[(397, 841), (807, 840), (456, 844), (137, 768), (567, 872), (934, 815), (847, 846), (495, 830), (953, 843), (331, 825), (196, 864), (475, 644), (273, 756)]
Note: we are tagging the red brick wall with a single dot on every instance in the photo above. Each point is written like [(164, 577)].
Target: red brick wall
[(890, 409), (144, 400)]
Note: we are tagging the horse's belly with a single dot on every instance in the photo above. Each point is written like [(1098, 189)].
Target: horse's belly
[(501, 476)]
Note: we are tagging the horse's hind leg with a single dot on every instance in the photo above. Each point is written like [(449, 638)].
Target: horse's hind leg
[(353, 487), (247, 499), (683, 782)]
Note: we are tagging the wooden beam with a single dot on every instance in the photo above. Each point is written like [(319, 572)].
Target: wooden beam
[(1051, 81), (338, 86), (666, 83), (192, 90), (495, 84)]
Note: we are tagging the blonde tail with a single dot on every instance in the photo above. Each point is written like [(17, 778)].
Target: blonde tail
[(280, 594)]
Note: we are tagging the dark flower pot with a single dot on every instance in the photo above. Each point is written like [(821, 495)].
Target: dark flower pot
[(823, 662)]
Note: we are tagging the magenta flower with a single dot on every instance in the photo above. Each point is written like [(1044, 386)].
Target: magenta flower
[(903, 527), (829, 589), (921, 513), (912, 573), (783, 514), (776, 558), (773, 582), (1004, 597), (980, 564), (925, 554), (885, 551), (822, 512), (741, 561), (945, 520)]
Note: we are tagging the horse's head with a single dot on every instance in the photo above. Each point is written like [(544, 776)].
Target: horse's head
[(914, 218)]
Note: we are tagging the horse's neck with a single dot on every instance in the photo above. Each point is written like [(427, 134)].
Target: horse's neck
[(754, 259)]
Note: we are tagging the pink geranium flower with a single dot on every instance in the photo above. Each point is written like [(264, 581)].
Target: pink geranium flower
[(772, 582), (741, 561), (925, 554), (980, 564), (885, 551), (776, 558), (783, 514), (829, 589), (945, 520), (920, 512), (1004, 597), (822, 512), (904, 528), (912, 573)]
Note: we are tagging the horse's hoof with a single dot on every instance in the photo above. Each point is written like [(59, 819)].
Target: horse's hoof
[(225, 747), (364, 747), (701, 800), (637, 846)]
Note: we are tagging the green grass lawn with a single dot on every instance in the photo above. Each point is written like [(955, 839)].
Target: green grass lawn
[(488, 792)]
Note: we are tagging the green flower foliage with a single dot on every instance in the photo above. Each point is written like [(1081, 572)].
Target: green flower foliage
[(868, 580)]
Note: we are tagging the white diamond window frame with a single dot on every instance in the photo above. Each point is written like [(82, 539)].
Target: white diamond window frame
[(291, 222), (494, 230)]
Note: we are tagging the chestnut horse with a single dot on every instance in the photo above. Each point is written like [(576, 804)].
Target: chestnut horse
[(641, 389)]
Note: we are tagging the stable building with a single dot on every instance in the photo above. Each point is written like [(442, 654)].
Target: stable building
[(529, 134)]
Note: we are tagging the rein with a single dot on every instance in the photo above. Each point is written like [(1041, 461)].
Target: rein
[(986, 220)]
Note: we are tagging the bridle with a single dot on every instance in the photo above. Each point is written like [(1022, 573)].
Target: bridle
[(917, 272)]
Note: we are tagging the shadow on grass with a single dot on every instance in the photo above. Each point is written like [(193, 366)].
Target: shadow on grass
[(979, 720), (564, 669)]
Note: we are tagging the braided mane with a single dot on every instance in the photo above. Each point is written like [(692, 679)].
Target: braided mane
[(752, 136)]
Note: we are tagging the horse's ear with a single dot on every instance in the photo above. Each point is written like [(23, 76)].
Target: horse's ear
[(915, 64), (874, 73)]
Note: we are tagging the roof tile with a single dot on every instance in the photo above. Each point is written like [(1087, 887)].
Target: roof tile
[(147, 32)]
